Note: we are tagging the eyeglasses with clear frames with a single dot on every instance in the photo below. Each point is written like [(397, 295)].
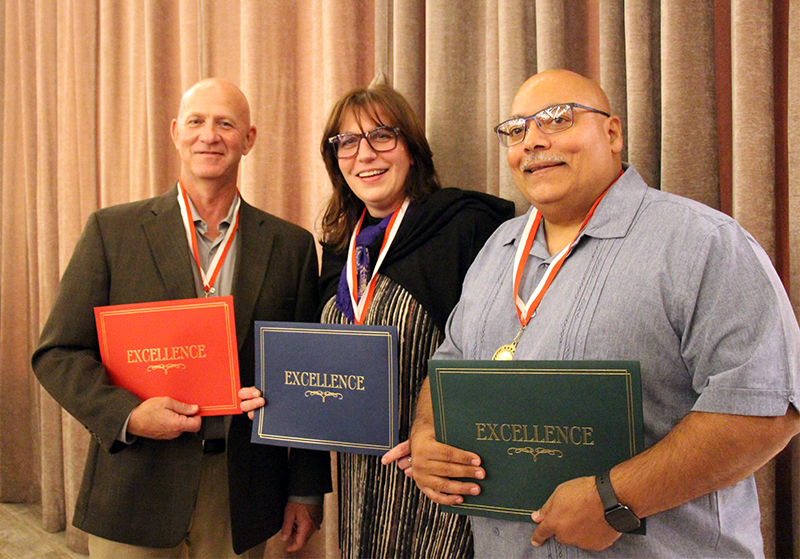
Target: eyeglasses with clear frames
[(382, 138), (551, 120)]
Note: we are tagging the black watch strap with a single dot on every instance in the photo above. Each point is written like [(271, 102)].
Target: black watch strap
[(618, 516), (606, 490)]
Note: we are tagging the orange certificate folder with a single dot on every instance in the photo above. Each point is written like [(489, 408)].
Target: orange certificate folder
[(182, 349)]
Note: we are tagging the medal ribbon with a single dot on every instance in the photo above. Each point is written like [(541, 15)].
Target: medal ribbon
[(525, 310), (216, 263), (360, 306)]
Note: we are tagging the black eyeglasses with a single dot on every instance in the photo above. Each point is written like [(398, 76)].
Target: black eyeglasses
[(551, 120), (382, 138)]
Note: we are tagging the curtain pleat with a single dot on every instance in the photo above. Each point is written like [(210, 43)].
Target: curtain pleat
[(220, 36), (78, 196), (272, 110), (408, 68), (49, 442), (17, 196), (162, 81), (643, 88), (551, 35), (455, 92), (516, 61), (793, 118), (688, 122), (612, 61), (189, 55), (752, 161), (793, 233), (753, 138)]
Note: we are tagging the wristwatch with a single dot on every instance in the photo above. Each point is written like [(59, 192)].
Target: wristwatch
[(618, 516)]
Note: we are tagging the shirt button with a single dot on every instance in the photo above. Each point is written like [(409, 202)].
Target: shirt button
[(496, 531)]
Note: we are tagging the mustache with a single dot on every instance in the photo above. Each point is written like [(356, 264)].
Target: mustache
[(537, 157)]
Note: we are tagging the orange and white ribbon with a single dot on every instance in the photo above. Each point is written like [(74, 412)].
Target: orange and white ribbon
[(208, 278), (525, 309), (361, 301)]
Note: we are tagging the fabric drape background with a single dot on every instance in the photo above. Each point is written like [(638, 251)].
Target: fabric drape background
[(708, 91)]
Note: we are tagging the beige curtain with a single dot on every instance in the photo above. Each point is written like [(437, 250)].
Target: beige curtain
[(707, 90), (88, 90)]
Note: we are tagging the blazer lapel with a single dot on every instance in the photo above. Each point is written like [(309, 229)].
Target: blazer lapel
[(167, 237), (251, 267)]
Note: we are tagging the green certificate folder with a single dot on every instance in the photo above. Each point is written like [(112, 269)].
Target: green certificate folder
[(535, 424)]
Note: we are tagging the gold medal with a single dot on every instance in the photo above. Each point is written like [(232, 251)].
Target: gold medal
[(506, 352)]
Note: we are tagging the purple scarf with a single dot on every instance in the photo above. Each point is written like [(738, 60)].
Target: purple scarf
[(364, 239)]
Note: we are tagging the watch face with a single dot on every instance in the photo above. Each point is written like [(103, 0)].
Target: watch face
[(622, 519)]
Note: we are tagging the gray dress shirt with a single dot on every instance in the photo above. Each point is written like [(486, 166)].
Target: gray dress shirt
[(675, 285)]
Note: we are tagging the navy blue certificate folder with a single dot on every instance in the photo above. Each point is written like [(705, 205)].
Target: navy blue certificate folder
[(327, 386)]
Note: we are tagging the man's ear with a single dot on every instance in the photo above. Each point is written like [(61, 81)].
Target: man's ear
[(614, 133), (249, 140), (173, 131)]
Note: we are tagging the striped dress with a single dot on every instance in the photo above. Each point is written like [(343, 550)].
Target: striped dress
[(382, 514)]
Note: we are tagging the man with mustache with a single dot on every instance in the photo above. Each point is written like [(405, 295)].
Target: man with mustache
[(158, 481), (637, 274)]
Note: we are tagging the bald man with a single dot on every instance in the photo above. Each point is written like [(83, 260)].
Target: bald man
[(158, 481), (651, 277)]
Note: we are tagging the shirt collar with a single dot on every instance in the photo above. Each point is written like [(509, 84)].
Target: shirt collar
[(201, 226), (613, 217)]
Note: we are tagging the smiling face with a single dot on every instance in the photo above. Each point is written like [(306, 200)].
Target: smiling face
[(212, 132), (563, 174), (376, 178)]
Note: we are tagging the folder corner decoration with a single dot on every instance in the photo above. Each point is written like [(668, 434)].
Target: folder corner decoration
[(327, 386), (185, 349), (535, 425)]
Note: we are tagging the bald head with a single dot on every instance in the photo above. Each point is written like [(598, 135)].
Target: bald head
[(221, 89), (561, 86)]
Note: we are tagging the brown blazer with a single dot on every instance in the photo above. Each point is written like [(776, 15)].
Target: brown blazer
[(143, 493)]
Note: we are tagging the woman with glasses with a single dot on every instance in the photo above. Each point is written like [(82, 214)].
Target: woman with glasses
[(395, 249)]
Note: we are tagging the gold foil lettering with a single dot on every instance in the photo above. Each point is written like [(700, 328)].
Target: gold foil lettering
[(574, 435), (174, 353), (323, 380)]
